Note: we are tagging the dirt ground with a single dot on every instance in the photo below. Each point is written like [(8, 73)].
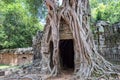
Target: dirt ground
[(65, 75)]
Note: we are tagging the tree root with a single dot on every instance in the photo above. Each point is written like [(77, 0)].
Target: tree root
[(75, 13)]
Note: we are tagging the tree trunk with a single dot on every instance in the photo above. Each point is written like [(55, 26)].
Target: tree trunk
[(76, 13)]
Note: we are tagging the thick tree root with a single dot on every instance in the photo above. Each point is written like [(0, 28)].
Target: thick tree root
[(76, 14)]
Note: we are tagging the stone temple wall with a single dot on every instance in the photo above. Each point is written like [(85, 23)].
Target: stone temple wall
[(107, 41), (19, 56)]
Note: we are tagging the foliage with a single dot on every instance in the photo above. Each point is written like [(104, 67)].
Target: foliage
[(17, 24), (107, 10)]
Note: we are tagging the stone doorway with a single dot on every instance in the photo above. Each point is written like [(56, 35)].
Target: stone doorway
[(66, 49)]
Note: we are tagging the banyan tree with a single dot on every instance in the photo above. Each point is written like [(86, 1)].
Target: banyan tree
[(67, 42)]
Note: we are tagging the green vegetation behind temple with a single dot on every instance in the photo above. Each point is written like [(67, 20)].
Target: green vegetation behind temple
[(18, 23), (107, 10)]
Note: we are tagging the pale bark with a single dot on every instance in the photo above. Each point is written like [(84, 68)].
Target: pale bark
[(76, 13)]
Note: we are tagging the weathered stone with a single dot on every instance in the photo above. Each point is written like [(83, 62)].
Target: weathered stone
[(108, 41), (37, 46), (2, 73), (18, 56)]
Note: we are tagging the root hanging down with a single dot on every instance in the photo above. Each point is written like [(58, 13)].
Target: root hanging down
[(88, 63)]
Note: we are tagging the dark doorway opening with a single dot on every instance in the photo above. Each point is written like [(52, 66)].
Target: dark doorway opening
[(66, 54), (51, 54)]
